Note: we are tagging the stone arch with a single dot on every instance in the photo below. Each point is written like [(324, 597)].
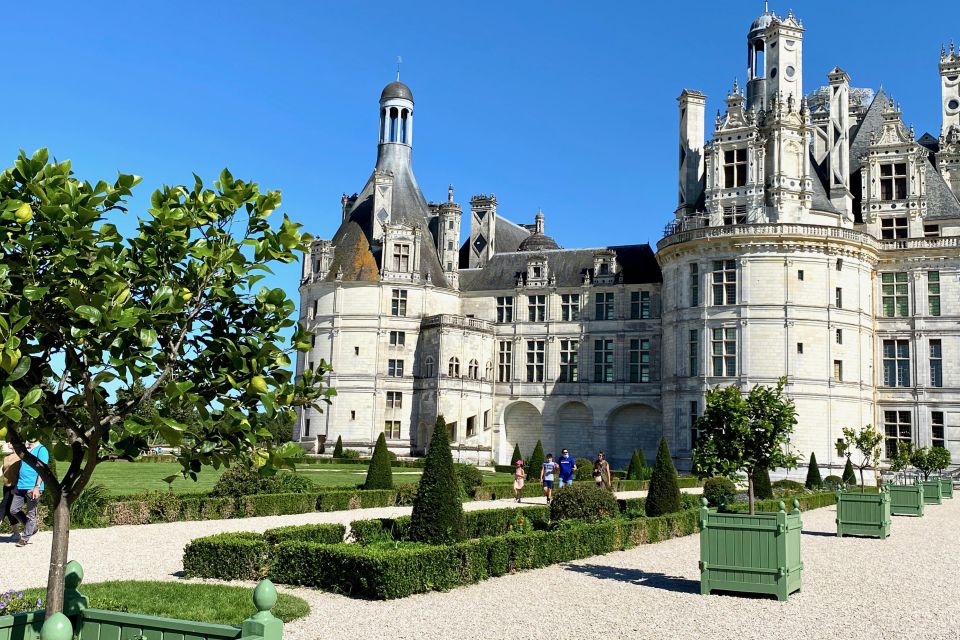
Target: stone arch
[(573, 429), (523, 426), (633, 426)]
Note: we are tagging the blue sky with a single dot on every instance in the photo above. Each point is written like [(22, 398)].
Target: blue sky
[(565, 106)]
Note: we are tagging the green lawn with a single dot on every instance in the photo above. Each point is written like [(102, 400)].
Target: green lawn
[(198, 602)]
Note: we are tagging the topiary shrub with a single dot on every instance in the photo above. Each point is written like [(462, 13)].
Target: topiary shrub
[(437, 510), (350, 454), (470, 478), (239, 481), (849, 477), (719, 489), (637, 470), (813, 473), (379, 474), (664, 493), (338, 448), (786, 488), (832, 483), (584, 469), (516, 456), (586, 502), (535, 463), (761, 485)]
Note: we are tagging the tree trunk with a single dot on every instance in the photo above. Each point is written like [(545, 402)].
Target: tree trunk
[(750, 498), (863, 486), (58, 555)]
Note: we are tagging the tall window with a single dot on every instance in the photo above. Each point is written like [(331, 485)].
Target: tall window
[(933, 293), (838, 297), (936, 364), (394, 400), (604, 306), (893, 181), (838, 370), (893, 228), (471, 426), (398, 338), (603, 360), (486, 420), (401, 257), (839, 336), (896, 427), (453, 367), (694, 352), (391, 429), (639, 360), (570, 306), (398, 302), (535, 360), (504, 308), (694, 285), (428, 367), (734, 168), (394, 368), (694, 432), (896, 363), (724, 282), (936, 429), (505, 361), (893, 294), (735, 214), (306, 428), (536, 308), (639, 304), (569, 360), (724, 350), (488, 371), (473, 370)]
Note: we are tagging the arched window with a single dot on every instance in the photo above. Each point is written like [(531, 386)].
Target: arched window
[(394, 124), (428, 367), (473, 370), (488, 371), (403, 126), (454, 369)]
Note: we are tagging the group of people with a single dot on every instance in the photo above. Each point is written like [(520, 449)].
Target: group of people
[(22, 487), (564, 468)]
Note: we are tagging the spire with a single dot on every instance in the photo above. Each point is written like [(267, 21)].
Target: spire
[(450, 194), (538, 221)]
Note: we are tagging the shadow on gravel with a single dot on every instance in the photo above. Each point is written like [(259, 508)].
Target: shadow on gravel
[(825, 534), (638, 577)]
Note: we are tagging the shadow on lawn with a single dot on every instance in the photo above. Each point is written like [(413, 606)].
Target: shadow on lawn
[(638, 577)]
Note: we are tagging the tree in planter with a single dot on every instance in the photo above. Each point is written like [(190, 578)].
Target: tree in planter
[(813, 473), (762, 489), (516, 455), (338, 448), (867, 441), (87, 316), (535, 461), (927, 461), (901, 459), (438, 510), (379, 473), (941, 459), (663, 496), (746, 433), (849, 475)]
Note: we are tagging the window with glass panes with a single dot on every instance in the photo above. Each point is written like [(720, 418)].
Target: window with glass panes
[(504, 361), (398, 338), (896, 363), (896, 429), (894, 294), (603, 303), (394, 399), (694, 285), (639, 304), (391, 429), (401, 257), (394, 368), (504, 308), (398, 302), (724, 282), (838, 370), (569, 306), (693, 354), (933, 293), (893, 228), (838, 298), (735, 214), (694, 432), (603, 360), (937, 438), (893, 181), (931, 231), (639, 360), (724, 351), (936, 363), (569, 360), (535, 360), (734, 168), (473, 370), (453, 367), (536, 308), (839, 337)]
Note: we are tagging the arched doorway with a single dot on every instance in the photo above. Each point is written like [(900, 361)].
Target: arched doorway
[(633, 426), (523, 426)]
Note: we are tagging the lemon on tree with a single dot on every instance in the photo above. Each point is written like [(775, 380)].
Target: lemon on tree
[(24, 213)]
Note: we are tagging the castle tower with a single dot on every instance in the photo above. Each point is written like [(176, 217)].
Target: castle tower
[(756, 60), (838, 142), (448, 237), (483, 229), (784, 60), (948, 157), (691, 176)]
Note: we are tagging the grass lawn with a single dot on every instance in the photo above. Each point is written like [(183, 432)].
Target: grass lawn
[(198, 602)]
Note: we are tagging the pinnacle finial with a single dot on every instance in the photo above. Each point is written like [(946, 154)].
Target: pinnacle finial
[(399, 62), (943, 52), (450, 193)]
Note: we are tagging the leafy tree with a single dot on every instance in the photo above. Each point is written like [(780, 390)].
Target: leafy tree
[(663, 496), (762, 490), (338, 448), (438, 510), (745, 433), (941, 459), (638, 469), (849, 475), (535, 462), (516, 455), (813, 473), (929, 460), (379, 473), (901, 458), (867, 441), (86, 314)]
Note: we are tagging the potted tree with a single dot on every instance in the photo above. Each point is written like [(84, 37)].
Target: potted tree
[(755, 552), (940, 461), (906, 498), (926, 462), (865, 514)]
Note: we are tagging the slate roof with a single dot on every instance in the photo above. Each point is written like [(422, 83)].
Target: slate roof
[(872, 122), (509, 235), (942, 203)]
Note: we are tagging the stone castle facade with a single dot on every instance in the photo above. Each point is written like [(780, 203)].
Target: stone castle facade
[(816, 237)]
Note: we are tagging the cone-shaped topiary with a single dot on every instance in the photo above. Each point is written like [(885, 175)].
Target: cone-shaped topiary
[(338, 448), (535, 463), (379, 473), (849, 477), (516, 455), (761, 485), (635, 470), (437, 510), (813, 473), (664, 494)]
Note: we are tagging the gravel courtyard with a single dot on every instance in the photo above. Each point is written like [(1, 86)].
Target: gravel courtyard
[(907, 586)]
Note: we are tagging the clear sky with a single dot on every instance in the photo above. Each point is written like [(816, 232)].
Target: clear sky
[(565, 106)]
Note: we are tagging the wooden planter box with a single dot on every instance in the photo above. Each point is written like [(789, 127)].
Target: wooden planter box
[(946, 487), (863, 514), (750, 553), (906, 499), (932, 491)]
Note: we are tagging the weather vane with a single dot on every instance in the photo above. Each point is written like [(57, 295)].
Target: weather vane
[(399, 62)]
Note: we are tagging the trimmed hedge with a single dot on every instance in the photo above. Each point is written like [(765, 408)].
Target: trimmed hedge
[(479, 524), (321, 533), (227, 556)]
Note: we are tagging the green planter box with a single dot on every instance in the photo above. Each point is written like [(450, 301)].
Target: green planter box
[(906, 499), (863, 514), (932, 491), (757, 553), (946, 487)]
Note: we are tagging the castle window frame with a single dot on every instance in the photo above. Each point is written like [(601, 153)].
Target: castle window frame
[(694, 416), (504, 309), (894, 228), (453, 367), (488, 371), (724, 282), (569, 306), (639, 360), (723, 343), (896, 363), (604, 306), (694, 284), (839, 336), (893, 181), (937, 430), (640, 305), (693, 346), (394, 400), (391, 429), (428, 367), (471, 426), (734, 168), (734, 214), (537, 308), (569, 360), (401, 257), (936, 363), (473, 369), (838, 370), (505, 361), (895, 294), (933, 293), (603, 360), (398, 303), (395, 368), (931, 231), (398, 338), (535, 360), (897, 427)]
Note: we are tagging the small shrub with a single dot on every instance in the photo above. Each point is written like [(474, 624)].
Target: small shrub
[(236, 482), (719, 489), (289, 482), (535, 463), (438, 510), (689, 501), (787, 487), (90, 507), (320, 533), (227, 556), (832, 483), (338, 448), (406, 494), (638, 469), (813, 473), (664, 494), (379, 473), (849, 477), (519, 524), (761, 485), (584, 470), (583, 501), (350, 454), (470, 478)]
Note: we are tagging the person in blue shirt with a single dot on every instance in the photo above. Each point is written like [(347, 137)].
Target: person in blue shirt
[(27, 493), (568, 467)]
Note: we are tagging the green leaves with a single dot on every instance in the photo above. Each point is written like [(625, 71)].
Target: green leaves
[(89, 313)]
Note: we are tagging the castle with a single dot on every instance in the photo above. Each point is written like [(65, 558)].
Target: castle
[(816, 237)]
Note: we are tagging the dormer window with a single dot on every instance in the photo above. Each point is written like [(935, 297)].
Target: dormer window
[(893, 181), (537, 272), (734, 168), (401, 257), (604, 268), (893, 228)]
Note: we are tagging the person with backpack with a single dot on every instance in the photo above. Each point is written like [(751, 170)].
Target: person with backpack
[(546, 476), (568, 467)]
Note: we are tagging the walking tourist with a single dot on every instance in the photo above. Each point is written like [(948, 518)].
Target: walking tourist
[(601, 471), (29, 488), (546, 476), (568, 467), (519, 475), (11, 473)]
